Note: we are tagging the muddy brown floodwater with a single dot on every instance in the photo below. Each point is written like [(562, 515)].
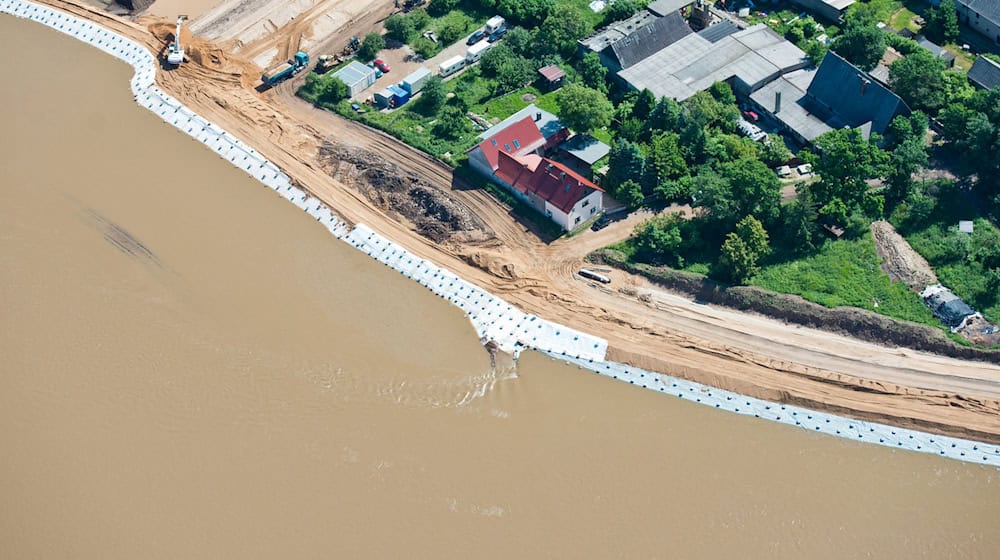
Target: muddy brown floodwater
[(190, 367)]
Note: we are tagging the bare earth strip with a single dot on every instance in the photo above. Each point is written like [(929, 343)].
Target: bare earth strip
[(744, 353), (899, 260)]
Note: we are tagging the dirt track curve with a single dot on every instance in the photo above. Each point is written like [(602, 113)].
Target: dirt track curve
[(726, 349)]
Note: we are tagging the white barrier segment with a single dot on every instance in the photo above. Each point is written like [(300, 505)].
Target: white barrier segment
[(820, 422), (492, 318)]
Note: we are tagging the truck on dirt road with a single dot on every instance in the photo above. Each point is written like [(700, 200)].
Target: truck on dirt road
[(285, 70)]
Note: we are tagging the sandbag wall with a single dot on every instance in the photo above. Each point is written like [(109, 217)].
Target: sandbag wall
[(494, 319)]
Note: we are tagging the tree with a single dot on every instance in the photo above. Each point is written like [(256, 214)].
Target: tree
[(815, 51), (721, 92), (438, 8), (433, 96), (644, 105), (742, 250), (862, 45), (664, 117), (773, 151), (325, 89), (630, 194), (626, 162), (658, 239), (918, 78), (798, 223), (371, 46), (621, 9), (452, 122), (529, 13), (747, 188), (514, 73), (520, 40), (583, 109), (664, 161), (452, 31), (560, 31), (942, 22), (593, 74), (494, 58), (399, 27), (845, 162), (908, 157)]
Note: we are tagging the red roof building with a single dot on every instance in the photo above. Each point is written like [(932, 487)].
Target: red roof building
[(520, 138), (549, 180)]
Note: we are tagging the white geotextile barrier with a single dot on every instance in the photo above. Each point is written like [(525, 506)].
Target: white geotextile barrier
[(858, 430), (494, 319)]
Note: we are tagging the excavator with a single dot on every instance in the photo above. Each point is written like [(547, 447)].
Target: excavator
[(175, 52)]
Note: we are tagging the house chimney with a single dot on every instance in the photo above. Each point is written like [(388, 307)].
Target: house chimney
[(777, 102), (864, 84), (538, 116)]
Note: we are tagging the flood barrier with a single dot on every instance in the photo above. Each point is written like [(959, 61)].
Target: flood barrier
[(493, 319)]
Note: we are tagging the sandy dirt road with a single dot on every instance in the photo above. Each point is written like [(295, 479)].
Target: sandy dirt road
[(745, 353)]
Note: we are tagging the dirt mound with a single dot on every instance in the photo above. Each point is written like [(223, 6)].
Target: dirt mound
[(435, 213), (899, 260), (203, 52)]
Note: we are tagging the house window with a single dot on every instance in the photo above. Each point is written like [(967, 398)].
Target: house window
[(577, 220), (585, 204), (592, 210)]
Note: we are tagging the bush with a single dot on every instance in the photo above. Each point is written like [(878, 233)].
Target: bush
[(371, 46)]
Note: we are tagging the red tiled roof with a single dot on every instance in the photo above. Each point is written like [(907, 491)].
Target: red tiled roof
[(552, 73), (551, 181), (519, 138)]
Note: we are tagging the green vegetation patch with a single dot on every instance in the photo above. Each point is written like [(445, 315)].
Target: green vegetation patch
[(846, 273)]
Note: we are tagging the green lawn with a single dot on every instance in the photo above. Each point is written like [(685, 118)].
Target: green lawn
[(903, 19), (846, 273), (499, 108)]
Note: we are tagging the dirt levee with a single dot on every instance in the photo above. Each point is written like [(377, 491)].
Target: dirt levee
[(899, 260)]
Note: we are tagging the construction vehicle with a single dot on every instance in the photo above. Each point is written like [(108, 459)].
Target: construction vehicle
[(286, 69), (327, 62), (175, 52), (352, 47)]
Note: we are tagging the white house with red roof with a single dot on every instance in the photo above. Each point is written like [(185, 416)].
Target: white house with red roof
[(514, 158)]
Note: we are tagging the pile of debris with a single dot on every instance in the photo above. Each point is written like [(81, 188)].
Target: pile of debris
[(435, 214)]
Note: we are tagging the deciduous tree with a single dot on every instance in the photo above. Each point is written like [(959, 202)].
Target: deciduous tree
[(743, 249), (863, 45), (583, 109), (562, 28), (918, 78), (593, 74), (371, 46)]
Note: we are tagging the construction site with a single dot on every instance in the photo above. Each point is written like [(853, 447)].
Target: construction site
[(367, 177)]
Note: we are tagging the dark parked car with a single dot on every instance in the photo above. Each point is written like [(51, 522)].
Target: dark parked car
[(601, 223), (498, 34), (476, 37)]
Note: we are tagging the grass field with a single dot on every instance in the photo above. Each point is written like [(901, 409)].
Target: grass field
[(846, 272)]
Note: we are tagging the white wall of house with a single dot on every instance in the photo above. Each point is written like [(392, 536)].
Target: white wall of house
[(585, 209)]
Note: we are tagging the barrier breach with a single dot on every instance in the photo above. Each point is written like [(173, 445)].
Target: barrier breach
[(493, 319)]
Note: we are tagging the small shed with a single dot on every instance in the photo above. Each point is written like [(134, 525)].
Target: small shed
[(416, 80), (552, 76), (585, 149), (357, 76), (383, 98)]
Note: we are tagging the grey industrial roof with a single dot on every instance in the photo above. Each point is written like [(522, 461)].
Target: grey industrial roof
[(586, 148), (793, 114), (618, 30), (839, 4), (664, 7), (843, 95), (650, 39), (692, 64), (636, 38), (353, 73), (715, 33), (548, 125), (985, 73), (989, 9)]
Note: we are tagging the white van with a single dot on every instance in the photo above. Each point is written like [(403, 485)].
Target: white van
[(450, 66), (494, 23), (476, 51)]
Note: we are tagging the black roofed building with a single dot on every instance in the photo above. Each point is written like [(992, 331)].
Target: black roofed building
[(626, 43), (809, 102), (981, 15), (985, 73)]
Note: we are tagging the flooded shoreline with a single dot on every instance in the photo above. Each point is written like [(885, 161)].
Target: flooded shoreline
[(248, 385)]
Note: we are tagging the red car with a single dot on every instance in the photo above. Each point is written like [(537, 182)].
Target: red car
[(381, 65), (751, 116)]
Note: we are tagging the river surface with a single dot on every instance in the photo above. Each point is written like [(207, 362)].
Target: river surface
[(191, 367)]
